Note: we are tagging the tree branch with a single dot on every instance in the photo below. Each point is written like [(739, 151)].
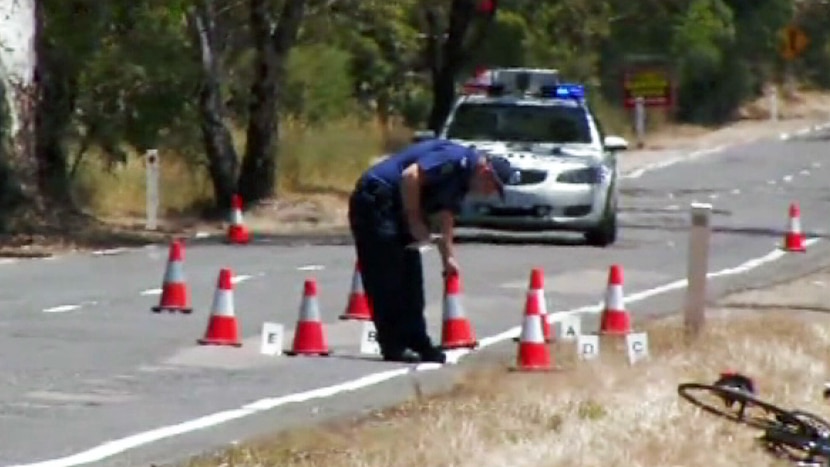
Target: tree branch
[(291, 18), (432, 49), (479, 33), (461, 14)]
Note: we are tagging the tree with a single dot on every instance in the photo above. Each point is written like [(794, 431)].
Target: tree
[(18, 164), (467, 24), (272, 41), (216, 137)]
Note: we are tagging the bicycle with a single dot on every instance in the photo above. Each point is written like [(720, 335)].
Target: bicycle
[(796, 435)]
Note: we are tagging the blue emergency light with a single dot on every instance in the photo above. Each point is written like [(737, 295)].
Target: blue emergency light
[(563, 91)]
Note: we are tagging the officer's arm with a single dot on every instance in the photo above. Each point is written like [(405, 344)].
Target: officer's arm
[(447, 222), (411, 193)]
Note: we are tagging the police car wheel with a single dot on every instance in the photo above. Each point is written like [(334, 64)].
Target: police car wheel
[(606, 232)]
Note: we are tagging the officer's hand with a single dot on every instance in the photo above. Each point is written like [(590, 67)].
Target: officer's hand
[(451, 267)]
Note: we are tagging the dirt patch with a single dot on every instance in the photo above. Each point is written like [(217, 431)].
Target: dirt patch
[(598, 413), (293, 213)]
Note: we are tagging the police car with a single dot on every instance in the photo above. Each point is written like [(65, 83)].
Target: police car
[(566, 168)]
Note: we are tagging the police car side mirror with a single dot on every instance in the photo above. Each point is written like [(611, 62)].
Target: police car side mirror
[(423, 136), (615, 143)]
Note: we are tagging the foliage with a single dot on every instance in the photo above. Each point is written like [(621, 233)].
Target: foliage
[(133, 68)]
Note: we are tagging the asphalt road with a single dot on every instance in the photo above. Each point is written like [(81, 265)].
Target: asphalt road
[(84, 362)]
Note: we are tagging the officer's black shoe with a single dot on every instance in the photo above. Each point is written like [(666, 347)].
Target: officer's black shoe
[(402, 356), (433, 355)]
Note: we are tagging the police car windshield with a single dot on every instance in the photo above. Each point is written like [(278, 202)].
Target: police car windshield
[(520, 123)]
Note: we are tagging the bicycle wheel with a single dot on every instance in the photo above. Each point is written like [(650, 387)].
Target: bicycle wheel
[(796, 447), (722, 401), (818, 424)]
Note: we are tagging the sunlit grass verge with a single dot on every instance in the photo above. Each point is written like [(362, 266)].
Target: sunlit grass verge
[(588, 414), (326, 158), (313, 159)]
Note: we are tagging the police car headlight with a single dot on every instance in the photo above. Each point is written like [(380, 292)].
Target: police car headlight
[(588, 175)]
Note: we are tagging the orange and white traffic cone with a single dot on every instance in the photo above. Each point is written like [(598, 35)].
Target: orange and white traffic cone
[(223, 328), (615, 319), (533, 353), (238, 233), (536, 288), (175, 294), (794, 238), (357, 308), (310, 335), (456, 332)]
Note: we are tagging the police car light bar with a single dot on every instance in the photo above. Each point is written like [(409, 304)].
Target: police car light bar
[(563, 91)]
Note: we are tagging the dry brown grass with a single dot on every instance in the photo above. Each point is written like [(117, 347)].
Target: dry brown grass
[(318, 167), (326, 160), (312, 160), (589, 414)]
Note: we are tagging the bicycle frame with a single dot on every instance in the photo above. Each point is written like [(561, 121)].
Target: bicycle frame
[(797, 435)]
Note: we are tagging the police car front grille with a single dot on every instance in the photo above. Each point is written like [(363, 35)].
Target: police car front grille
[(531, 177)]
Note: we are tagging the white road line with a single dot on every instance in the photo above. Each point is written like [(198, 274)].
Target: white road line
[(61, 308), (65, 308), (234, 280), (816, 165), (311, 267), (787, 178), (118, 446), (736, 191), (805, 172), (637, 173), (240, 278), (8, 260), (109, 252)]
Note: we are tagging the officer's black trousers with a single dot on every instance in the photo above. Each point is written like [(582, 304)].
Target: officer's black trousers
[(392, 275)]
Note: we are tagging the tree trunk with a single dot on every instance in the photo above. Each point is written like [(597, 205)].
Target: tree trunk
[(257, 180), (455, 52), (18, 59), (443, 95), (216, 137), (57, 82)]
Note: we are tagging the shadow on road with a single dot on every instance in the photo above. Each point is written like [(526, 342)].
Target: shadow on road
[(747, 231), (345, 239), (299, 239), (498, 238)]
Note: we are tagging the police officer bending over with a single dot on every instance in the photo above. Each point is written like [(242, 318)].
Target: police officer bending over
[(388, 211)]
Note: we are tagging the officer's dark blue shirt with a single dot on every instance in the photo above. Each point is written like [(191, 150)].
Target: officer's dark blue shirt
[(446, 166)]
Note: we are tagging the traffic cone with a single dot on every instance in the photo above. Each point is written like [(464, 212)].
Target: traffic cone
[(309, 336), (615, 319), (794, 238), (533, 353), (238, 233), (175, 295), (536, 288), (357, 308), (456, 332), (222, 328)]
